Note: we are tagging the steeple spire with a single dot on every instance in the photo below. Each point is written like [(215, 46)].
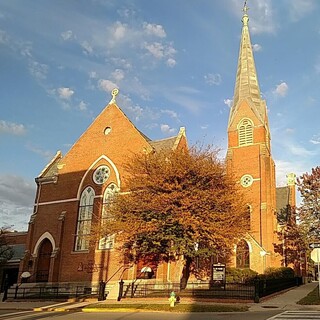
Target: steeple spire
[(247, 86)]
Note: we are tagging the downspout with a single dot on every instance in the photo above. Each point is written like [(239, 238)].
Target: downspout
[(260, 210)]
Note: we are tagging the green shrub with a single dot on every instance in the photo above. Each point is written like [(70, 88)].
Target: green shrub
[(279, 273), (247, 275), (236, 275)]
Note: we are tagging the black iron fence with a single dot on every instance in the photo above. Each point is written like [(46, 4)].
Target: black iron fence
[(266, 287), (240, 291), (195, 290), (51, 292), (144, 289)]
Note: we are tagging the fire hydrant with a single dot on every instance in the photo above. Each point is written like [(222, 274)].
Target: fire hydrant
[(172, 299)]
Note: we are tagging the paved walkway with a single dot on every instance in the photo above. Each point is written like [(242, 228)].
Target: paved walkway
[(287, 300), (284, 301)]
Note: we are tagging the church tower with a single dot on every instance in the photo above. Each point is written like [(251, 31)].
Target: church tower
[(249, 160)]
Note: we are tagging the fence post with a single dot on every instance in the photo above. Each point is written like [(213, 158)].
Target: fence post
[(120, 290), (6, 288), (256, 291), (16, 291), (132, 289), (101, 294)]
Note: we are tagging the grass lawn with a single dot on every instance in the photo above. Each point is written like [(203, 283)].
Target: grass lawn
[(165, 307), (311, 298)]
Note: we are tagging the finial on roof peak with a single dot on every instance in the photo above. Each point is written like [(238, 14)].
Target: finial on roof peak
[(245, 18), (114, 93), (291, 179)]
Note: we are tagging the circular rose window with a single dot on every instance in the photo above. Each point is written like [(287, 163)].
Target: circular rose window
[(101, 175), (246, 180)]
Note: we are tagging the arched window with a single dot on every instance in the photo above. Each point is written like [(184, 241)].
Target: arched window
[(243, 255), (107, 241), (245, 131), (84, 220)]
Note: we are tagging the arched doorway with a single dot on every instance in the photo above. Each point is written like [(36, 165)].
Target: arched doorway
[(243, 255), (44, 257)]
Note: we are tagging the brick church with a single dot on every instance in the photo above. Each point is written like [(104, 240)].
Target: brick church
[(73, 188)]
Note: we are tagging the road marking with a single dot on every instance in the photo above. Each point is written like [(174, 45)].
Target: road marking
[(297, 315)]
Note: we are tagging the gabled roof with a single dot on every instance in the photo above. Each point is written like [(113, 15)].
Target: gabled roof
[(167, 143), (50, 172), (51, 169), (170, 143)]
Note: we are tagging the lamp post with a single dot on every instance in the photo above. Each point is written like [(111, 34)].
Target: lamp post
[(284, 246)]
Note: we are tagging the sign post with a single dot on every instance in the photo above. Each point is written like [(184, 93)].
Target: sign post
[(315, 256)]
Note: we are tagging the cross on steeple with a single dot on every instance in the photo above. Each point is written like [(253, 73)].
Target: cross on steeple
[(245, 8), (245, 18)]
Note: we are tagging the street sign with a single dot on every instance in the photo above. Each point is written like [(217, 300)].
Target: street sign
[(315, 255), (314, 245)]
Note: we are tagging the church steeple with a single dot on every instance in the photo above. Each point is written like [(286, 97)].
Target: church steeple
[(249, 157), (247, 86)]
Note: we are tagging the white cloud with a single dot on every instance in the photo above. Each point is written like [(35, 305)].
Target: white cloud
[(298, 9), (281, 89), (213, 79), (3, 37), (315, 139), (38, 70), (12, 128), (283, 168), (65, 93), (123, 63), (160, 51), (170, 113), (228, 102), (87, 47), (317, 65), (171, 62), (166, 129), (300, 151), (82, 106), (256, 47), (118, 75), (119, 30), (93, 75), (154, 29), (262, 18), (289, 130), (118, 33), (46, 154), (156, 49), (16, 201), (67, 35), (106, 85)]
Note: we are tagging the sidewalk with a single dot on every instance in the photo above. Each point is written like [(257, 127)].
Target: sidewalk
[(287, 300)]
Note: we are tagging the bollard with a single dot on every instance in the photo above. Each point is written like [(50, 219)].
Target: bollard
[(172, 299)]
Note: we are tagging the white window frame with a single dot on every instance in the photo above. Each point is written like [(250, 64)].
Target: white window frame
[(84, 219)]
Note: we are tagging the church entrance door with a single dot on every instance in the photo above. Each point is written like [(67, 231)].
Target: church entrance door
[(44, 257)]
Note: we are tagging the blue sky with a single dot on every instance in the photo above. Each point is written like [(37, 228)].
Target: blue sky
[(174, 62)]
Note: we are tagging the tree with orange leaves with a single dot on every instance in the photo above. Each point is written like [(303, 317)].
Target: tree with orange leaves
[(179, 202)]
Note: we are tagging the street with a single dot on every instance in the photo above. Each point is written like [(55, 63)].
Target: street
[(30, 315), (79, 315)]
